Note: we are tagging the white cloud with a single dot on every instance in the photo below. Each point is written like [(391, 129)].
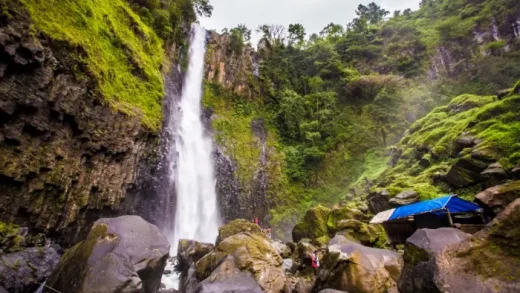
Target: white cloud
[(313, 14)]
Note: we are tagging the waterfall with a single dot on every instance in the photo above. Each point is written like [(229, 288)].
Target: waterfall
[(196, 215)]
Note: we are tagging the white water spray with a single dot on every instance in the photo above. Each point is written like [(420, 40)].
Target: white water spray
[(196, 214)]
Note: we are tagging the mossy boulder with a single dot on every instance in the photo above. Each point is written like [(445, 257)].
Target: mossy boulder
[(351, 267), (250, 252), (237, 226), (489, 261), (313, 225), (361, 232), (127, 253), (341, 214), (497, 198), (228, 278), (465, 172)]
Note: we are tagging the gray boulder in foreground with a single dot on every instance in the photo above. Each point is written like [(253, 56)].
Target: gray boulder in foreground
[(124, 254)]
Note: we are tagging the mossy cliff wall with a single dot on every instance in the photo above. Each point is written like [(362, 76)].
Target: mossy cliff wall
[(243, 141), (80, 108)]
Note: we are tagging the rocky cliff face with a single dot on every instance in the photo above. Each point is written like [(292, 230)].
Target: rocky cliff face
[(66, 157), (233, 70), (240, 195)]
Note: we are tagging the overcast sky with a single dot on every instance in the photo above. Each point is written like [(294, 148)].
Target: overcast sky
[(313, 14)]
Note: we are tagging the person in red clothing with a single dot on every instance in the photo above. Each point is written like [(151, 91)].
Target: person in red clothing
[(255, 220), (315, 261)]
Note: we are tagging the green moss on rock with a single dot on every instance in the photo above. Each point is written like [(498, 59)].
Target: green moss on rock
[(344, 213), (314, 224), (235, 227), (122, 53)]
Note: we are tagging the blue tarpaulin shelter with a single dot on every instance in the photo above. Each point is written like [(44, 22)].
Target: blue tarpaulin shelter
[(451, 203), (448, 211)]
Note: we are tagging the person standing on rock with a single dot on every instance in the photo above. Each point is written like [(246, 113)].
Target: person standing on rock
[(315, 261)]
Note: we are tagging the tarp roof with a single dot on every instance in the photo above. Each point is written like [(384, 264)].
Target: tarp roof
[(382, 217), (450, 202), (453, 203)]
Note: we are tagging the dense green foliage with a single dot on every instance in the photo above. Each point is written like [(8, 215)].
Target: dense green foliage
[(340, 98), (123, 51)]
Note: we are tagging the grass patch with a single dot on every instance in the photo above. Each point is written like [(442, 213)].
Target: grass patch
[(122, 53)]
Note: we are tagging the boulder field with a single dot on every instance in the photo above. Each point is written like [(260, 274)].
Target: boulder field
[(128, 254)]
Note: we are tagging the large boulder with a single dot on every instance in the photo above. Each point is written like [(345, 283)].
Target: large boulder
[(313, 225), (421, 247), (191, 251), (361, 232), (127, 253), (493, 175), (378, 201), (340, 214), (228, 278), (489, 261), (497, 198), (404, 198), (352, 267), (465, 172), (251, 253), (237, 226), (22, 271)]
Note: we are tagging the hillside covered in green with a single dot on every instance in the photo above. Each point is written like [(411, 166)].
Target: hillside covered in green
[(338, 102), (121, 44)]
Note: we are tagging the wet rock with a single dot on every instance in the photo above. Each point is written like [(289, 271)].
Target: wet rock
[(465, 172), (237, 226), (488, 261), (22, 271), (252, 253), (283, 250), (352, 267), (493, 175), (378, 201), (129, 253), (404, 198), (497, 198), (188, 253), (228, 278), (191, 251), (421, 247), (313, 225)]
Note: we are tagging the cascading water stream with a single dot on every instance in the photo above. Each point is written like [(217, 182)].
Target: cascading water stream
[(192, 173), (196, 214)]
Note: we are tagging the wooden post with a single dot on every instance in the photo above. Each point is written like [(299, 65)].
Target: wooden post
[(449, 217)]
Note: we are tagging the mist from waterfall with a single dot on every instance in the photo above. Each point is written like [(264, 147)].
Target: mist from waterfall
[(196, 215)]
